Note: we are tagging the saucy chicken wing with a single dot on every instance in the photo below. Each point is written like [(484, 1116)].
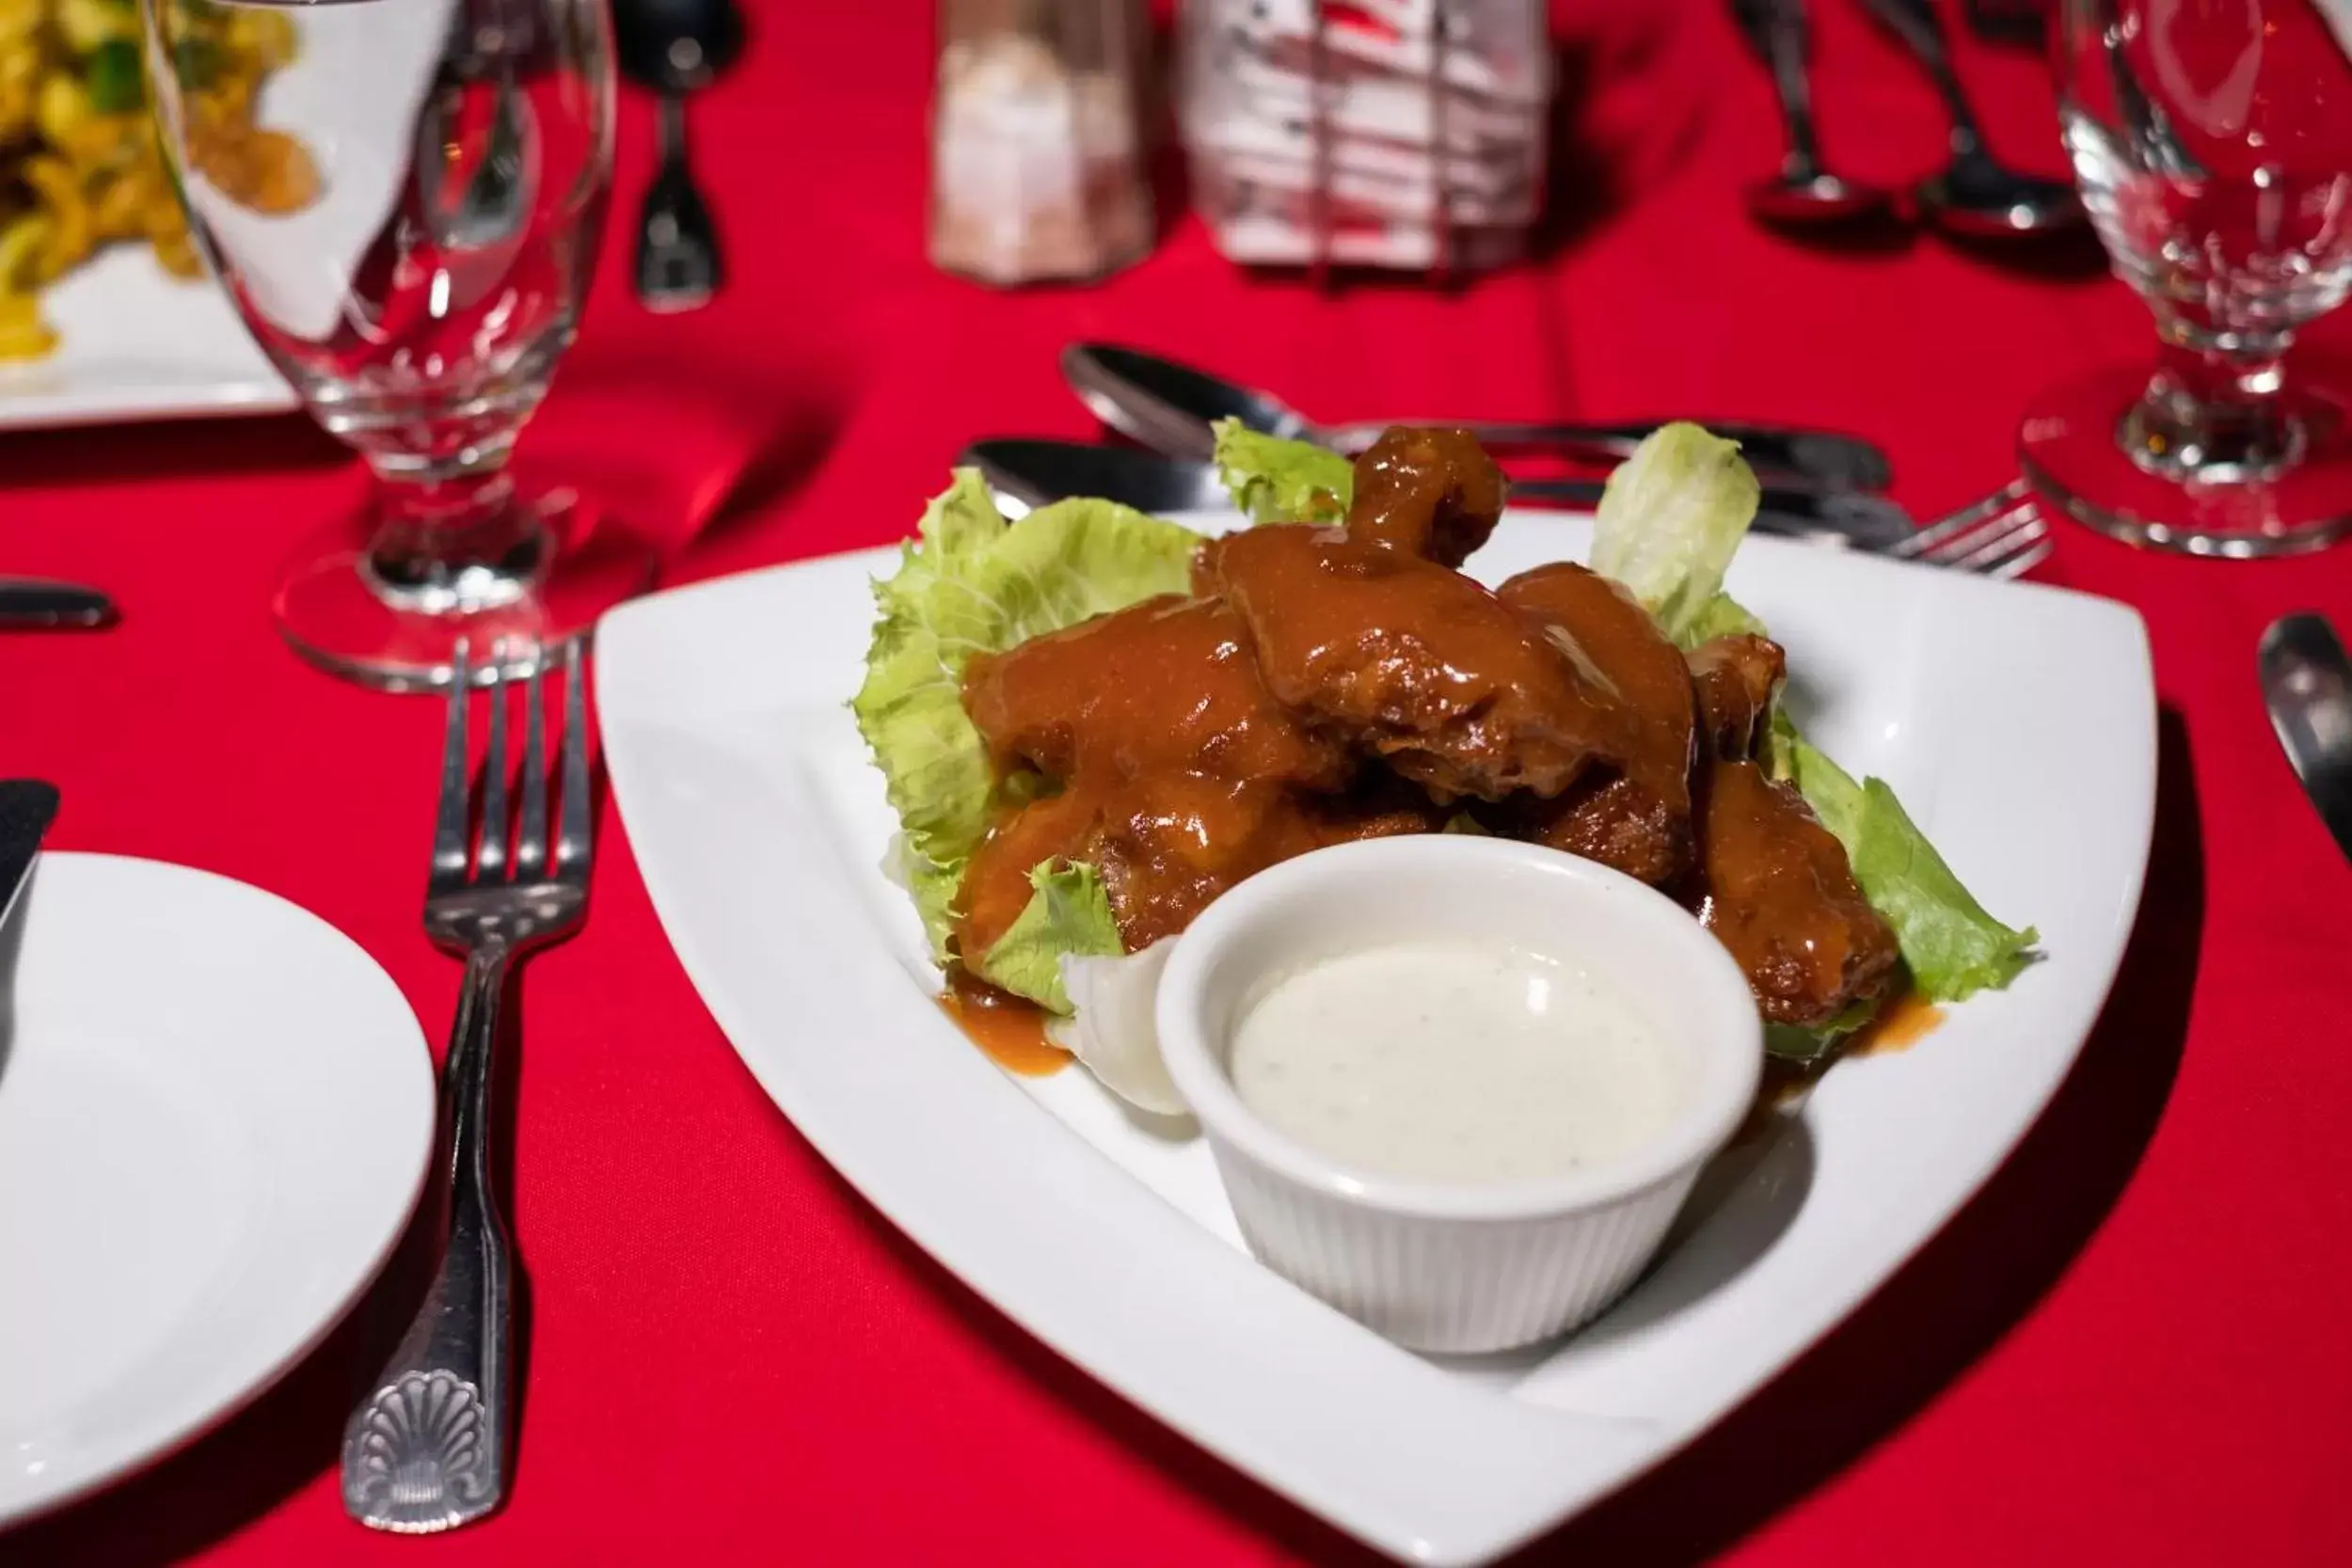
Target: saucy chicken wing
[(1415, 664), (1160, 686), (1426, 492), (1168, 767), (1735, 679), (1780, 895), (1636, 815)]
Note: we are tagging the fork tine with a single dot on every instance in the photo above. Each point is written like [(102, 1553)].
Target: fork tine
[(1943, 530), (2018, 565), (1961, 544), (449, 822), (531, 839), (492, 864), (1987, 547), (573, 847)]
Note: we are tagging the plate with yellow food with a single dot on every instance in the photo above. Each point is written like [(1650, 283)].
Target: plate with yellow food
[(105, 311)]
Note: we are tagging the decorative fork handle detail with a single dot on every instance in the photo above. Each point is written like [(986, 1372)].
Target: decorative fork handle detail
[(427, 1451)]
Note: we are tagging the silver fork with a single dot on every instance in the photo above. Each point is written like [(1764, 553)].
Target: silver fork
[(426, 1449), (2002, 537)]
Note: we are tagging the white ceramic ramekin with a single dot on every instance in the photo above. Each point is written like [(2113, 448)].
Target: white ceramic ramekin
[(1441, 1267)]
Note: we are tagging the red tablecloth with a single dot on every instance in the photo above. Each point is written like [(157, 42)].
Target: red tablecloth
[(2137, 1347)]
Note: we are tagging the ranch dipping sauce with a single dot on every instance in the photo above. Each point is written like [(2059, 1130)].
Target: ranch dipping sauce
[(1456, 1061)]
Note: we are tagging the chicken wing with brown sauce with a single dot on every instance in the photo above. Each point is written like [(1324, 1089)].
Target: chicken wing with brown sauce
[(1415, 664), (1172, 843), (1636, 815), (1735, 679), (1170, 768), (1779, 892), (1430, 492), (1162, 685)]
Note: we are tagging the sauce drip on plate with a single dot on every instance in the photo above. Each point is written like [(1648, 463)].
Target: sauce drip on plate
[(1903, 1023), (1009, 1031)]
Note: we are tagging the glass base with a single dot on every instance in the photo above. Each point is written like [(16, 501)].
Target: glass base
[(2073, 447), (338, 612)]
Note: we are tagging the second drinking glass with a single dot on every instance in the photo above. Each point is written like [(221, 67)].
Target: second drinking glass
[(407, 219), (2214, 146)]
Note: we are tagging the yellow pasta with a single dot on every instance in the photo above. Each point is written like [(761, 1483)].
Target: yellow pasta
[(83, 166), (21, 242)]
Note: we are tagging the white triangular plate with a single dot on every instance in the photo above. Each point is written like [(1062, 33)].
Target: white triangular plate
[(2018, 723)]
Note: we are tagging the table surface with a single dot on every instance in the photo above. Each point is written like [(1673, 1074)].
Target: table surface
[(2131, 1347)]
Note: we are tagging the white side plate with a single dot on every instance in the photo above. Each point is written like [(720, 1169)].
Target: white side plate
[(136, 343), (215, 1114), (2018, 723)]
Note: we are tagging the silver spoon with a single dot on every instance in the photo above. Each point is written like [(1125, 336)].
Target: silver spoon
[(1974, 195), (2307, 685), (1170, 407), (1037, 473), (1804, 195), (676, 47)]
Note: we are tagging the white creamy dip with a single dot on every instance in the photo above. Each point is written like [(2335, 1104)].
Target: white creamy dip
[(1456, 1061)]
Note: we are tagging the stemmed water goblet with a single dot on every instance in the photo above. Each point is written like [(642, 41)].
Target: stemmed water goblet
[(439, 172), (2212, 140)]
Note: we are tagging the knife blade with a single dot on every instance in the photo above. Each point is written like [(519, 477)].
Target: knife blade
[(2307, 685), (27, 806), (29, 603)]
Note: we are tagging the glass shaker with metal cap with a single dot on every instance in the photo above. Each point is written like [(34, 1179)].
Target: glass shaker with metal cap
[(1036, 140)]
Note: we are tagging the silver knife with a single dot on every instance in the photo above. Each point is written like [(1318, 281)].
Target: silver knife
[(28, 603), (27, 806), (2307, 685)]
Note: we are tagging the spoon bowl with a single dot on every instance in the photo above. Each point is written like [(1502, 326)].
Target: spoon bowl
[(1977, 199), (1170, 407), (1040, 472), (1798, 201), (675, 46)]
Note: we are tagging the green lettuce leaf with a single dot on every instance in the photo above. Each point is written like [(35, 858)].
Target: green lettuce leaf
[(1953, 948), (1720, 616), (1791, 1043), (1669, 521), (1068, 913), (1277, 481), (972, 583)]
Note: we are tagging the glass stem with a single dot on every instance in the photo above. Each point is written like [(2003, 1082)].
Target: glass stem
[(450, 537), (2213, 411)]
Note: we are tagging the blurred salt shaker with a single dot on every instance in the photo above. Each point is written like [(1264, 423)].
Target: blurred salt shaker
[(1037, 160)]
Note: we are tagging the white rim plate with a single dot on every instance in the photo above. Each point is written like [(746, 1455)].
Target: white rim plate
[(136, 343), (2017, 721), (216, 1114)]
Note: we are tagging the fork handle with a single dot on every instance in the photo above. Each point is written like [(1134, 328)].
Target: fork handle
[(427, 1449)]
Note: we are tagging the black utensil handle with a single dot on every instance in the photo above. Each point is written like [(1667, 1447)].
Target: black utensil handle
[(26, 602), (678, 264), (1915, 23)]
